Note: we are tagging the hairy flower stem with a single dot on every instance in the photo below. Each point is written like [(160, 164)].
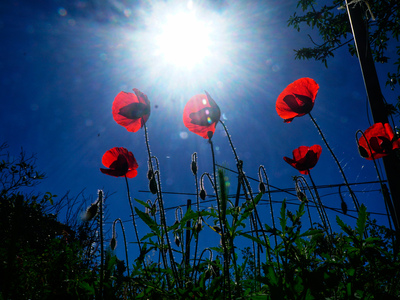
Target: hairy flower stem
[(261, 169), (300, 180), (194, 161), (146, 137), (353, 196), (243, 179), (227, 289), (324, 216), (164, 224), (246, 186), (133, 216)]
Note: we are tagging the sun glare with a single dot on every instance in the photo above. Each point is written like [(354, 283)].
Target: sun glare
[(183, 41)]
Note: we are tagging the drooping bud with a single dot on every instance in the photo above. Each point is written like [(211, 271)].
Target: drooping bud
[(203, 194), (177, 240), (344, 207), (363, 152), (302, 197), (153, 185), (198, 227), (113, 243), (150, 174), (91, 212), (193, 165), (153, 210), (261, 187)]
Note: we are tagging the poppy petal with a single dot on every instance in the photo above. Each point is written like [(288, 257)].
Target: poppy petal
[(377, 141), (120, 162), (111, 172), (304, 158), (297, 99), (131, 110), (131, 173), (134, 110), (201, 115)]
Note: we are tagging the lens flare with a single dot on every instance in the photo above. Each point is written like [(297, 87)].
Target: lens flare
[(184, 40)]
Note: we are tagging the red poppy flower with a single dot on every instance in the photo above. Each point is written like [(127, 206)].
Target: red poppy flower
[(381, 141), (304, 158), (201, 115), (131, 110), (297, 99), (120, 162)]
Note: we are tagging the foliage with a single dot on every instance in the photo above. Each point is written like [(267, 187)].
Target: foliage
[(359, 263), (46, 259), (41, 257), (381, 19)]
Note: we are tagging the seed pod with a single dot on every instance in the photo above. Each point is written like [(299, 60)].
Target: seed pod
[(203, 194), (153, 185)]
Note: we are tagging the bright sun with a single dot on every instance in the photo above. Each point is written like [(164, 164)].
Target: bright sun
[(183, 41)]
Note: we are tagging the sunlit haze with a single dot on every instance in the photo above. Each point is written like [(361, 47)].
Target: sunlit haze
[(184, 40)]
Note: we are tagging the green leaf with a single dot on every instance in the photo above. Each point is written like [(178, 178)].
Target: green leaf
[(145, 204), (254, 239), (362, 220), (149, 221)]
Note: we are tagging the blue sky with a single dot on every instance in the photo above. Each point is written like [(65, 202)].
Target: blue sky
[(63, 62)]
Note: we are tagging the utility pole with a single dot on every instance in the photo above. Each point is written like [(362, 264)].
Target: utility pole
[(377, 105)]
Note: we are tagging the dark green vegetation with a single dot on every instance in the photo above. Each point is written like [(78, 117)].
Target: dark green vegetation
[(42, 258)]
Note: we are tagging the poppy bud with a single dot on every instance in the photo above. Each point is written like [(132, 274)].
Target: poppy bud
[(261, 187), (153, 185), (113, 243), (363, 152), (207, 274), (194, 168), (153, 210), (177, 240), (198, 227), (91, 212), (150, 174), (344, 207), (203, 194), (302, 197)]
